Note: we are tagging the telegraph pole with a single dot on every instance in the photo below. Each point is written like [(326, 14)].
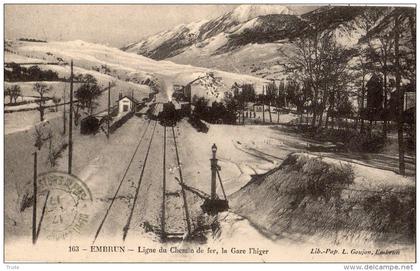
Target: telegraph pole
[(284, 92), (278, 104), (263, 101), (64, 110), (35, 188), (71, 120), (269, 105), (109, 108)]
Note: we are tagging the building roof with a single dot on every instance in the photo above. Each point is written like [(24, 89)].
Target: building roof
[(130, 98)]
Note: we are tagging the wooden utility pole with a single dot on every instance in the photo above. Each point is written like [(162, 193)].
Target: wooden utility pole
[(71, 120), (400, 93), (64, 110), (278, 105), (35, 188), (109, 108), (269, 108), (132, 100), (284, 92), (243, 109), (263, 101)]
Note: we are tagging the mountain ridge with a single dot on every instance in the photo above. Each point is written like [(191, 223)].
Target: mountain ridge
[(248, 41), (169, 43)]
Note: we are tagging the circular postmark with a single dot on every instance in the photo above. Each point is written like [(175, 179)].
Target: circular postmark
[(63, 202)]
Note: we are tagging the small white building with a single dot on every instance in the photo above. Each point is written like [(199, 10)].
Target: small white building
[(126, 104)]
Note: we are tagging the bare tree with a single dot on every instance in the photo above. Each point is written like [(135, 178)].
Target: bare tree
[(42, 89), (400, 95), (363, 66), (397, 31), (306, 66), (13, 92), (382, 54), (335, 76), (7, 93), (322, 65)]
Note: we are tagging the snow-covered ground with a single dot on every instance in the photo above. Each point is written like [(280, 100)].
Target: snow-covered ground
[(31, 105), (22, 121), (87, 55), (126, 71), (243, 151), (254, 149)]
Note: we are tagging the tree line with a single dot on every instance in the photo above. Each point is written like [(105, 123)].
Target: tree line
[(18, 73), (86, 96), (327, 76)]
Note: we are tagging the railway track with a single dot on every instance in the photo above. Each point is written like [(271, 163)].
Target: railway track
[(127, 226), (124, 190), (136, 202), (174, 199)]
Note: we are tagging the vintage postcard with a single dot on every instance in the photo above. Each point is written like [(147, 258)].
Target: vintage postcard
[(209, 133)]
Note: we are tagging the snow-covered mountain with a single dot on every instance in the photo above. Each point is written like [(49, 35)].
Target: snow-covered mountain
[(248, 39), (245, 13), (175, 41)]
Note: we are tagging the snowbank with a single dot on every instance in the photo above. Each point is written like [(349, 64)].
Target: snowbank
[(322, 199)]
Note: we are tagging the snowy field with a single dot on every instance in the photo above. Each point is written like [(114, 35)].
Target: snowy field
[(127, 71), (126, 65)]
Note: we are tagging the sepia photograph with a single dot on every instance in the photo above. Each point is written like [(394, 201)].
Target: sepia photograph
[(190, 132)]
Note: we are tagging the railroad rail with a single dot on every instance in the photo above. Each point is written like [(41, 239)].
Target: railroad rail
[(174, 214), (116, 194), (165, 234), (127, 226)]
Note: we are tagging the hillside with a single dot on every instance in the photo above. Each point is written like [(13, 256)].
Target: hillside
[(249, 38), (111, 62), (128, 73)]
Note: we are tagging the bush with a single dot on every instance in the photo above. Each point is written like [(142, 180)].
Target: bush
[(217, 113), (392, 213), (316, 178), (353, 140), (363, 142), (197, 124)]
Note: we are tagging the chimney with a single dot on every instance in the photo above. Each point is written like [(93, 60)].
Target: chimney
[(120, 96)]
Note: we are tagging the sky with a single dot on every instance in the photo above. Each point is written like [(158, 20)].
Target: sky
[(112, 25)]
